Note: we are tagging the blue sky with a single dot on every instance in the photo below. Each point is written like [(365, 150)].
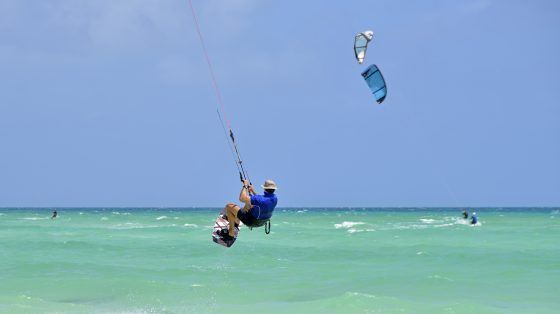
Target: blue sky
[(110, 103)]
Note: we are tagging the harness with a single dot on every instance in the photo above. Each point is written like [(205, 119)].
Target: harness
[(261, 222)]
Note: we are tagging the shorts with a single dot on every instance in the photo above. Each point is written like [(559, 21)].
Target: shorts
[(249, 220)]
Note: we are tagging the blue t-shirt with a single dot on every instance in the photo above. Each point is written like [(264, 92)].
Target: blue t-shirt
[(474, 220), (263, 205)]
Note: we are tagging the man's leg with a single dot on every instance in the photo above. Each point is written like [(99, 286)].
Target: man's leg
[(231, 212)]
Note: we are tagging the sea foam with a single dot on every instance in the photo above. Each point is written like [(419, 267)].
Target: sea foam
[(348, 224)]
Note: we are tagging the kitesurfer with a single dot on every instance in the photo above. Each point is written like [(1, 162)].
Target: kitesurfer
[(465, 213), (474, 219), (54, 214), (257, 210)]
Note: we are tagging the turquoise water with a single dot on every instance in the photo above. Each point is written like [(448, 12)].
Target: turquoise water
[(129, 260)]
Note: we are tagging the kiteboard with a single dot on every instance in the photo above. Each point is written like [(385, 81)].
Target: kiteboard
[(223, 224)]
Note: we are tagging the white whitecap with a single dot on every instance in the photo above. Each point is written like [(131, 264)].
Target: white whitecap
[(348, 224), (442, 225), (438, 277), (119, 213), (427, 221), (35, 218), (161, 217), (104, 218), (190, 225), (354, 230), (132, 225), (360, 294)]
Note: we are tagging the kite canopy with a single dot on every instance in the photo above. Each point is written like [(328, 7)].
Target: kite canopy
[(376, 82), (361, 42)]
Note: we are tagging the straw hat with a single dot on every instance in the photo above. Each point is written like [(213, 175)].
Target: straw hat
[(269, 185)]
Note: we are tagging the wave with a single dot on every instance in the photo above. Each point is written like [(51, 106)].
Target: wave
[(444, 225), (461, 221), (162, 217), (360, 294), (191, 225), (406, 227), (352, 226), (427, 221), (119, 213), (35, 218), (354, 230), (348, 224), (132, 225), (438, 277)]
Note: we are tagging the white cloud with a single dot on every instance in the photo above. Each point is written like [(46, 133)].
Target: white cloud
[(62, 31), (225, 17), (177, 70), (128, 25), (479, 5), (116, 25)]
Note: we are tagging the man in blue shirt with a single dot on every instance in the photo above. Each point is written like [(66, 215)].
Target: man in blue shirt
[(257, 210), (474, 219)]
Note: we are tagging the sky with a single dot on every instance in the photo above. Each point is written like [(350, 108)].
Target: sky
[(111, 104)]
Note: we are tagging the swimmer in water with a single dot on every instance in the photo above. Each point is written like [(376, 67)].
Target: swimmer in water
[(474, 219)]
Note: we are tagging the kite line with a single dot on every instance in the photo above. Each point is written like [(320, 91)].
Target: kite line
[(243, 174)]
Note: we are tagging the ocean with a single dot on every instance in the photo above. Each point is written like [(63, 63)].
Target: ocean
[(315, 260)]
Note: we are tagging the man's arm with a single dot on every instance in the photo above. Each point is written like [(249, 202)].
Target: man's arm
[(244, 196)]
